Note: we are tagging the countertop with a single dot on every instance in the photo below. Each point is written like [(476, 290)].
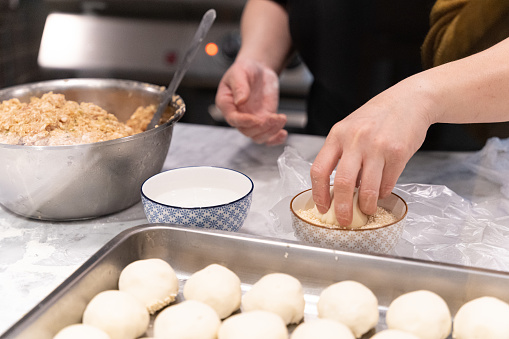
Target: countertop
[(36, 256)]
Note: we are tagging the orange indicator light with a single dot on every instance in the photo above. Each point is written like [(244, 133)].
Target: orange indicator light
[(211, 49)]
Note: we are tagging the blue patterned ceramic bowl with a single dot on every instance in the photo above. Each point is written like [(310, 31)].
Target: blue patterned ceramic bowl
[(208, 197)]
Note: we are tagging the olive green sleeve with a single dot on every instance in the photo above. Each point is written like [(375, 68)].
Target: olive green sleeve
[(459, 28)]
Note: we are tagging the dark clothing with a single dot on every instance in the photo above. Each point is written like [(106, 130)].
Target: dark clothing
[(350, 52), (325, 34), (355, 49)]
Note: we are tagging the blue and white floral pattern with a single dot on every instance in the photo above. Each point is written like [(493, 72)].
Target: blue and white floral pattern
[(229, 217)]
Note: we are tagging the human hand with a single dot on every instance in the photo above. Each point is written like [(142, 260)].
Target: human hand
[(248, 97), (370, 148)]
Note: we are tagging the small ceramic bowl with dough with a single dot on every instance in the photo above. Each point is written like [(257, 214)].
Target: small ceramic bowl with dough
[(377, 239), (200, 196)]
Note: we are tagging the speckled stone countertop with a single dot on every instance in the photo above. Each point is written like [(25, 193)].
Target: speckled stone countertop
[(36, 256)]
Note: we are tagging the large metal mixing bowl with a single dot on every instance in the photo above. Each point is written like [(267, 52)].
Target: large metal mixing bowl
[(89, 180)]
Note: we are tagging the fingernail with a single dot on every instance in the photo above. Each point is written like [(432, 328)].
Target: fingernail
[(238, 98)]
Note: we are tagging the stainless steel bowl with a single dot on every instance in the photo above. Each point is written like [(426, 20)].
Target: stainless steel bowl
[(89, 180)]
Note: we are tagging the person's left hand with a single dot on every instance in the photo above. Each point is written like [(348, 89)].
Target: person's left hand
[(248, 97)]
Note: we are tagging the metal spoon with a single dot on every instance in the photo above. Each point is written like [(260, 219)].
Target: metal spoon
[(205, 24)]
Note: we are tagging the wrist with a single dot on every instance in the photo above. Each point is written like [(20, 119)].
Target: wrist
[(425, 90), (260, 58)]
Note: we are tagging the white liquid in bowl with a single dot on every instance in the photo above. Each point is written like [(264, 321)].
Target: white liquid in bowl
[(197, 197)]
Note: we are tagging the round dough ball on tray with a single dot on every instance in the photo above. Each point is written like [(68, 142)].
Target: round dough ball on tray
[(323, 329), (422, 313), (117, 313), (485, 317), (253, 325), (279, 293), (394, 334), (350, 303), (188, 319), (81, 331), (152, 281), (216, 286)]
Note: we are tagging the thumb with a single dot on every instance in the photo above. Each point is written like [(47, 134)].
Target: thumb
[(240, 88)]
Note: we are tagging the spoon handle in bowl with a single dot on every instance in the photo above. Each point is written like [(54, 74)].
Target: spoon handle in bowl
[(205, 24)]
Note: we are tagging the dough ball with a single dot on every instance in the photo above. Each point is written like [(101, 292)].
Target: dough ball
[(350, 303), (117, 313), (485, 317), (186, 320), (253, 325), (359, 218), (394, 334), (422, 313), (81, 331), (216, 286), (278, 293), (323, 329), (152, 281)]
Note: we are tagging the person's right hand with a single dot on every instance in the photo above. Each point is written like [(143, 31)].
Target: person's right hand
[(371, 147), (248, 97)]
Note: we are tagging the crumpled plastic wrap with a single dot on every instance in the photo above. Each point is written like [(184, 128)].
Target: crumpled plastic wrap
[(492, 162), (442, 226)]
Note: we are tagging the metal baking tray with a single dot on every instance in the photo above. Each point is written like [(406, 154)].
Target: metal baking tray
[(189, 250)]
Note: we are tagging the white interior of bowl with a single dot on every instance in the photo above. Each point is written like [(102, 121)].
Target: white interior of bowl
[(303, 201), (393, 203), (197, 187)]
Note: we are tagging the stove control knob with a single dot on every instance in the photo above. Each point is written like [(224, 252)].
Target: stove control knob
[(230, 45)]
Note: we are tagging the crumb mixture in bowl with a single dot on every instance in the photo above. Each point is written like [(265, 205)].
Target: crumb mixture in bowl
[(382, 217), (52, 120)]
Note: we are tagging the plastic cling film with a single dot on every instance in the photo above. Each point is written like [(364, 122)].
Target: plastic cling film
[(442, 225)]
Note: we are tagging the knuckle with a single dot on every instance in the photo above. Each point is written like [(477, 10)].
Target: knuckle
[(318, 171), (368, 192), (386, 189), (319, 199), (315, 170), (344, 181), (396, 152), (335, 133)]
